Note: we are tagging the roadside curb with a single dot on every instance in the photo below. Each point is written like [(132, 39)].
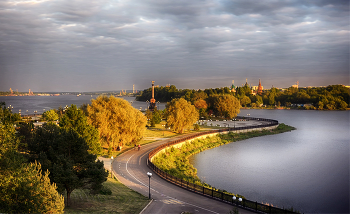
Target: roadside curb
[(146, 206)]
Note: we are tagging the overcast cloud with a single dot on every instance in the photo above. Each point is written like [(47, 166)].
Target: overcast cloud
[(79, 45)]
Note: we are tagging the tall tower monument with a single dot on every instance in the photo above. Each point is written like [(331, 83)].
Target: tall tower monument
[(260, 88), (152, 104)]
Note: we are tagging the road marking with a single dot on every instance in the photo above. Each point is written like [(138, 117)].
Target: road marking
[(126, 165), (171, 201)]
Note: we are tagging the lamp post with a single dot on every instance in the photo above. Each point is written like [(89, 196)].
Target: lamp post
[(149, 184), (147, 103), (111, 167)]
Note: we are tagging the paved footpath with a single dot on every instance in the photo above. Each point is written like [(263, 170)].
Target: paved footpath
[(131, 169)]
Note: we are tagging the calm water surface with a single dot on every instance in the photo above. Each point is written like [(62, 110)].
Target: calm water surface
[(307, 169), (44, 103)]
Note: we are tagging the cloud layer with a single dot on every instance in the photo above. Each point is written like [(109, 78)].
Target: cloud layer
[(76, 45)]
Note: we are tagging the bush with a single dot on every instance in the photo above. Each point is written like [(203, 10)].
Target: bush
[(105, 191)]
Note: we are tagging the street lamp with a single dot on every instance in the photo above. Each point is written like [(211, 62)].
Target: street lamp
[(147, 103), (111, 167), (149, 184)]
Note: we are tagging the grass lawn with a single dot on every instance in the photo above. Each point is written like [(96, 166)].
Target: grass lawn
[(150, 135), (122, 200)]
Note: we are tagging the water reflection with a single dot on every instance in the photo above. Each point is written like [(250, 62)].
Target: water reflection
[(307, 168)]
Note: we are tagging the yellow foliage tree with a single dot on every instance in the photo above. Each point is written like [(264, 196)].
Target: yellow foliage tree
[(117, 121), (227, 106), (180, 115), (200, 104)]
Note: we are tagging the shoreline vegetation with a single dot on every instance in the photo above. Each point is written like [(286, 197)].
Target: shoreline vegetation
[(175, 161)]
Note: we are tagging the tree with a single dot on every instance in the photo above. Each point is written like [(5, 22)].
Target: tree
[(156, 116), (226, 105), (26, 190), (200, 104), (51, 115), (245, 101), (65, 154), (259, 100), (6, 115), (23, 188), (180, 115), (75, 118), (117, 121)]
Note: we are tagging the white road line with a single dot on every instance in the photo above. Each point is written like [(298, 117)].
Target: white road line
[(158, 192)]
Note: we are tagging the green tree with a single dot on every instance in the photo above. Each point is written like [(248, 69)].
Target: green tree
[(6, 115), (226, 105), (23, 188), (180, 115), (259, 100), (245, 101), (50, 115), (65, 154), (75, 118), (156, 116), (117, 121), (26, 190)]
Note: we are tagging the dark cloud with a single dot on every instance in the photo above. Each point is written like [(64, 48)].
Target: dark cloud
[(193, 44)]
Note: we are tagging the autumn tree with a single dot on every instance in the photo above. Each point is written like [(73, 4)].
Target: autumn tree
[(226, 105), (180, 115), (201, 104), (75, 118), (117, 121)]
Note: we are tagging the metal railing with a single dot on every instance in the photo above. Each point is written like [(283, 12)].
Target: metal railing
[(215, 194)]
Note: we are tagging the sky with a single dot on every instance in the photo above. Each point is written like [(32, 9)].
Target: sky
[(106, 45)]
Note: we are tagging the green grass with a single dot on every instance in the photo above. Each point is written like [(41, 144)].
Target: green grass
[(152, 132), (122, 200)]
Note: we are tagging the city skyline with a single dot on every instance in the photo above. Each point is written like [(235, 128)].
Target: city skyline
[(61, 45)]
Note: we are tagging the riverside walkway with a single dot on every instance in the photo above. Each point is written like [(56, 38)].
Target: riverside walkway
[(131, 169)]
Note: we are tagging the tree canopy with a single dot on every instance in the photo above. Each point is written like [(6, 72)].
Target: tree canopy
[(180, 114), (117, 121), (226, 106), (65, 154), (23, 188), (50, 115), (75, 118)]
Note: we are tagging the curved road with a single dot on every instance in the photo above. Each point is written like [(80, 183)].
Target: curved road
[(131, 169)]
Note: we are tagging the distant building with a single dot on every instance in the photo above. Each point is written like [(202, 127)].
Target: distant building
[(260, 88), (233, 87), (297, 85)]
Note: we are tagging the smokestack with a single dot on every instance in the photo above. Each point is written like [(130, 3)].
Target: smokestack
[(152, 89)]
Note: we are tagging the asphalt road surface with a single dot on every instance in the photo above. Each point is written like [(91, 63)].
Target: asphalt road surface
[(131, 169)]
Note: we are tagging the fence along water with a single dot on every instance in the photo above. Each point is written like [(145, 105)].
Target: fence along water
[(218, 195)]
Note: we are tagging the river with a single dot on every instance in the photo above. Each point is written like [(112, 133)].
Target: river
[(29, 104), (307, 169)]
